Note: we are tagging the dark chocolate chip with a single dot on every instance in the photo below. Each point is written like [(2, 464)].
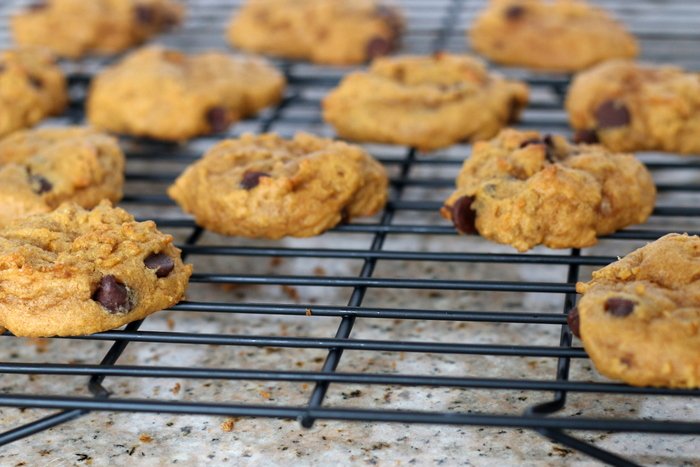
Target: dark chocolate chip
[(36, 83), (573, 320), (514, 12), (620, 307), (586, 137), (548, 144), (530, 141), (39, 184), (251, 179), (514, 111), (611, 114), (145, 14), (112, 295), (377, 46), (218, 120), (36, 6), (463, 216), (162, 263)]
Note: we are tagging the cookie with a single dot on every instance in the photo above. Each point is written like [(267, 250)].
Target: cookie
[(32, 87), (630, 106), (74, 28), (167, 95), (639, 317), (323, 31), (559, 35), (426, 102), (524, 189), (269, 187), (40, 169), (75, 272)]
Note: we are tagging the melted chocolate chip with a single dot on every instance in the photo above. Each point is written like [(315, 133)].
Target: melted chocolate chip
[(162, 263), (251, 179), (112, 295), (39, 184), (548, 144), (218, 120), (573, 320), (530, 141), (619, 307), (514, 111), (514, 12), (463, 216), (612, 114), (36, 83), (586, 137), (376, 47), (36, 6), (145, 14)]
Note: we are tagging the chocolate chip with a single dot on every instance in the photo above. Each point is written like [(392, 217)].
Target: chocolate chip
[(514, 111), (145, 14), (251, 179), (573, 320), (611, 114), (162, 263), (586, 137), (39, 184), (463, 216), (218, 120), (36, 6), (530, 141), (112, 295), (36, 83), (514, 12), (548, 144), (620, 307), (2, 67), (377, 46)]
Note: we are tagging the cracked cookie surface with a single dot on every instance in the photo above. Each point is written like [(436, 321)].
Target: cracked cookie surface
[(323, 31), (639, 317), (559, 35), (630, 106), (427, 102), (74, 28), (524, 189), (40, 169), (77, 272), (266, 186), (32, 87), (167, 95)]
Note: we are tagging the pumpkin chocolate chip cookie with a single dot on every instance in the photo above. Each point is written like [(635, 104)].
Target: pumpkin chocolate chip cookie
[(559, 35), (40, 169), (163, 94), (630, 106), (639, 318), (32, 87), (75, 272), (425, 102), (73, 28), (322, 31), (266, 186), (524, 189)]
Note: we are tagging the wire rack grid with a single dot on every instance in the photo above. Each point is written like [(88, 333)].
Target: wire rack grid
[(407, 233)]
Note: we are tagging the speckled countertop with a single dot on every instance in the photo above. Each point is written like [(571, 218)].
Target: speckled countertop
[(102, 438)]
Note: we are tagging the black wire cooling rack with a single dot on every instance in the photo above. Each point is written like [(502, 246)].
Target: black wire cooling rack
[(668, 32)]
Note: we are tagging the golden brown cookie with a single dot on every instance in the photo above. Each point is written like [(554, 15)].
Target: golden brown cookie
[(559, 35), (40, 169), (425, 102), (73, 28), (32, 87), (629, 106), (322, 31), (266, 186), (639, 318), (75, 272), (523, 189), (167, 95)]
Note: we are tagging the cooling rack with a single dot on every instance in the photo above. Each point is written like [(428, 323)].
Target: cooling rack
[(668, 32)]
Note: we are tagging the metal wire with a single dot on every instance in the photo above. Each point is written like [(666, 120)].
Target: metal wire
[(434, 27)]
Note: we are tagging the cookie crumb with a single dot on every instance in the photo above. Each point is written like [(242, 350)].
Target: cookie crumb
[(176, 389), (145, 438), (308, 312), (228, 425)]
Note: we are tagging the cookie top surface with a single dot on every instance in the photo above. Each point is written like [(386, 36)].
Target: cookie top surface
[(75, 272), (32, 87), (164, 94), (559, 35), (640, 316), (524, 189), (630, 106), (424, 101), (333, 32), (74, 28), (267, 186), (40, 169)]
